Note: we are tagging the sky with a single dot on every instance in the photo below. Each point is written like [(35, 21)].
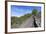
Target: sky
[(22, 10)]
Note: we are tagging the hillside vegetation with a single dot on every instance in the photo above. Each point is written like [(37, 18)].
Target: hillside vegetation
[(17, 21)]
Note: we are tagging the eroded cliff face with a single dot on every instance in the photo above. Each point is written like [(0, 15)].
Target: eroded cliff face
[(38, 21)]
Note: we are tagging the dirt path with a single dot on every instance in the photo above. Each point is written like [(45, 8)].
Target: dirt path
[(28, 23)]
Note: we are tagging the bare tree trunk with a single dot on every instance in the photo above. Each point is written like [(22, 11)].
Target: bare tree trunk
[(35, 25)]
